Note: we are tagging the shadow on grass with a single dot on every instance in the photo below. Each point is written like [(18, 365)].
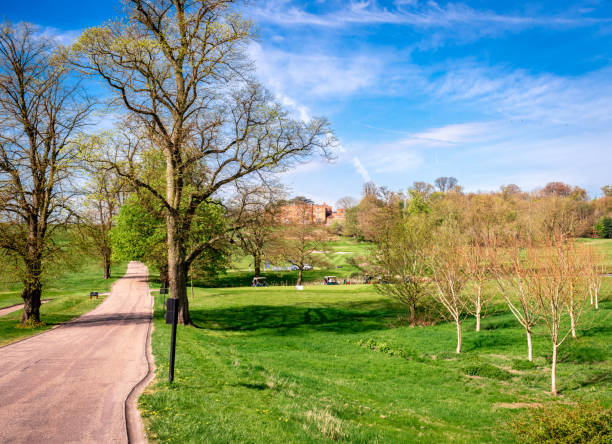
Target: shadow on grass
[(291, 319)]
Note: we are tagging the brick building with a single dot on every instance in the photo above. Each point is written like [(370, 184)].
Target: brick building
[(311, 214)]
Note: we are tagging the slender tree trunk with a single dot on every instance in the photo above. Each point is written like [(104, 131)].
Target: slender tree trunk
[(529, 345), (478, 311), (299, 282), (553, 371), (458, 335), (257, 264), (597, 299), (591, 293), (412, 314), (572, 320)]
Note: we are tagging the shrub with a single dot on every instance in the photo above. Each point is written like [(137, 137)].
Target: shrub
[(487, 371), (580, 423), (603, 227), (579, 354), (522, 364)]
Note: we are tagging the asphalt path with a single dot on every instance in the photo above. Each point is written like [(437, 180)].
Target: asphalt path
[(79, 382)]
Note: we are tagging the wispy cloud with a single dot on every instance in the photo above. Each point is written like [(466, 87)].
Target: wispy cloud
[(319, 74), (361, 170), (414, 13)]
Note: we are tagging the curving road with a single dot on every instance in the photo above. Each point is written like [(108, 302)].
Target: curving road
[(71, 384)]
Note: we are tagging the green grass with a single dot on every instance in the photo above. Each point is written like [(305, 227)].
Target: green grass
[(603, 246), (70, 294), (337, 254), (276, 365)]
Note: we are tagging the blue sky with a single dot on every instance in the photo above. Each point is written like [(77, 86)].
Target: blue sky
[(489, 92)]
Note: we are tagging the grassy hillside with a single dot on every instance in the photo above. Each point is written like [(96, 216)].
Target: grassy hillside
[(277, 365)]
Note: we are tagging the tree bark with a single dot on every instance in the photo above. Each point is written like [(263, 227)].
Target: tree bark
[(31, 293), (572, 320), (299, 282), (107, 266), (529, 346), (163, 276), (257, 264), (458, 335), (478, 310), (412, 315), (177, 270), (553, 372)]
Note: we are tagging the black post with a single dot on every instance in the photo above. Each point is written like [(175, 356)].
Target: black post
[(173, 307)]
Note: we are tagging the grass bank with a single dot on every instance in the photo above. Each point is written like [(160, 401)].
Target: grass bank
[(275, 365), (70, 294)]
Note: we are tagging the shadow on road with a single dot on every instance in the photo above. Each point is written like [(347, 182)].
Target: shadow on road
[(110, 319)]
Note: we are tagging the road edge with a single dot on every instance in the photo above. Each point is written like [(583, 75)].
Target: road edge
[(134, 425)]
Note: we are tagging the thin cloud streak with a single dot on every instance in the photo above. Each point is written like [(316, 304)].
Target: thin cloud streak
[(429, 15)]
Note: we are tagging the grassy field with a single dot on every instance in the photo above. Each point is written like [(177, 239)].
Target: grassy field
[(604, 246), (277, 365), (337, 253), (70, 294)]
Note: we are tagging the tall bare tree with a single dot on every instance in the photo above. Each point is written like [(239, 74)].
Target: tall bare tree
[(448, 267), (300, 243), (513, 272), (555, 277), (104, 196), (41, 109), (178, 69), (258, 214)]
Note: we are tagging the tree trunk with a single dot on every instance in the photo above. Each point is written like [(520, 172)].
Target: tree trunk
[(163, 275), (597, 299), (257, 264), (412, 315), (107, 266), (478, 310), (299, 282), (553, 372), (458, 335), (529, 346), (31, 293), (572, 320), (177, 271)]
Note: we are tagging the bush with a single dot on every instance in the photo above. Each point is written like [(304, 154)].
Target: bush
[(580, 423), (487, 371), (603, 227), (580, 354), (522, 364)]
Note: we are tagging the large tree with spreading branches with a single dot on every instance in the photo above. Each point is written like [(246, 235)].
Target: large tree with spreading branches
[(42, 109), (178, 69)]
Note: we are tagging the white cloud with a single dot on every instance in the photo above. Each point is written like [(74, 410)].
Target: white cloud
[(417, 14), (316, 75), (516, 94), (61, 37), (451, 135), (361, 170)]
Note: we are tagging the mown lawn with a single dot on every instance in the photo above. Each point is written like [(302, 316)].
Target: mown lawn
[(275, 365), (70, 298)]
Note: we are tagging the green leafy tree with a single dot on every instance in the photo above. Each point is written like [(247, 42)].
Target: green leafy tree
[(400, 257), (603, 227)]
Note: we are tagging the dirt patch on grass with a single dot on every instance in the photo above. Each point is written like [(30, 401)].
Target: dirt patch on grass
[(517, 405)]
